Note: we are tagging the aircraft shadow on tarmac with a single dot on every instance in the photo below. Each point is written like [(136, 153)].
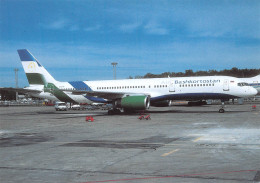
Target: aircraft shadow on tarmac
[(104, 113), (203, 112)]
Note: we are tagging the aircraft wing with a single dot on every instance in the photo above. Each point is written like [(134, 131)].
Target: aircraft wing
[(104, 94), (21, 90)]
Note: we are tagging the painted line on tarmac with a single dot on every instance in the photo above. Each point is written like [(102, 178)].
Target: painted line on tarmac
[(166, 154), (164, 177), (197, 139)]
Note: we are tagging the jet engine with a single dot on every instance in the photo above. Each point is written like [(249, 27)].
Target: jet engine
[(140, 102)]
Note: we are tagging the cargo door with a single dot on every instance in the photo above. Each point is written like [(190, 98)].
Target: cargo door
[(226, 85), (172, 86)]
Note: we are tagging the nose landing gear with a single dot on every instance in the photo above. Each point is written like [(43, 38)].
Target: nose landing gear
[(222, 110)]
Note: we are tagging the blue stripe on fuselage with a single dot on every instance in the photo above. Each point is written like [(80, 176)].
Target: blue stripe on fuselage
[(193, 96), (80, 85), (254, 84), (95, 99)]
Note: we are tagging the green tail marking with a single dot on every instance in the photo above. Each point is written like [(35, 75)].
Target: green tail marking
[(51, 88), (36, 78)]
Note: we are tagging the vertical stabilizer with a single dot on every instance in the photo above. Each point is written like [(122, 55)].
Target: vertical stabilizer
[(35, 72)]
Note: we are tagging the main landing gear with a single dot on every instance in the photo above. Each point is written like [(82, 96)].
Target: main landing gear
[(114, 111), (118, 111)]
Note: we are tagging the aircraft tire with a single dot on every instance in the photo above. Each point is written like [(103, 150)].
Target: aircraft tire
[(221, 110), (110, 112)]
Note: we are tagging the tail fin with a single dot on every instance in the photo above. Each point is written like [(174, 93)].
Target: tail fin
[(35, 72)]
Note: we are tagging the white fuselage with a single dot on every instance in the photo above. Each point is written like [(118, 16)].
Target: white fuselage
[(179, 88)]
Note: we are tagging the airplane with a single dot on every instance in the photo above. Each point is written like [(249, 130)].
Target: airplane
[(254, 82), (131, 94)]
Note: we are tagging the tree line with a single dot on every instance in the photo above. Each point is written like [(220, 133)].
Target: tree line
[(235, 72)]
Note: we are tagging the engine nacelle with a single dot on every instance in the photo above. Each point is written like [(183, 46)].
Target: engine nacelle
[(133, 102), (163, 103)]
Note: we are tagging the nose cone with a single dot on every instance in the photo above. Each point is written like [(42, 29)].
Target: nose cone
[(253, 91)]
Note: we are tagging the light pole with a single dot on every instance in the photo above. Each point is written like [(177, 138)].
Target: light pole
[(16, 82), (114, 68)]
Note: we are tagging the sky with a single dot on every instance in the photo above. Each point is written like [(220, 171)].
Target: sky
[(79, 39)]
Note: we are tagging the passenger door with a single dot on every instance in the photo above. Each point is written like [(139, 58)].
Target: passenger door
[(172, 86), (226, 85)]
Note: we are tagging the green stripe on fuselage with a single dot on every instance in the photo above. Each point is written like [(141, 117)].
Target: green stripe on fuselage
[(51, 88), (35, 78)]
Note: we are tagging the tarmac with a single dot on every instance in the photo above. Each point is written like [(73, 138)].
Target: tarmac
[(178, 144)]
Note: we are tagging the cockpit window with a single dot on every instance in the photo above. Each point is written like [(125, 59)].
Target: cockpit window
[(242, 84)]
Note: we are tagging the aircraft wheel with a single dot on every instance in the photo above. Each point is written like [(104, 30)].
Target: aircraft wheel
[(128, 111), (110, 112), (221, 110), (114, 111), (117, 111)]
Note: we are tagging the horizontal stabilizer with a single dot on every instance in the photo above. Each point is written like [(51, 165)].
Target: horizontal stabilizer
[(21, 90)]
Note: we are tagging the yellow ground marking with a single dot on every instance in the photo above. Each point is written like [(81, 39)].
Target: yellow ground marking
[(166, 154), (197, 139)]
